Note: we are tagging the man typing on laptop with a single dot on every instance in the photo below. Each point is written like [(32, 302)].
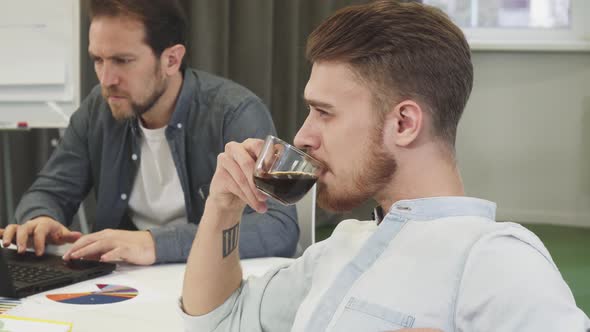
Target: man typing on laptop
[(146, 142)]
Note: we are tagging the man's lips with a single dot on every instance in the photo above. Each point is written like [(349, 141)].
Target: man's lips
[(116, 97)]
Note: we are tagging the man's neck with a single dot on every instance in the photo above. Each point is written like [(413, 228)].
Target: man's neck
[(159, 115), (431, 175)]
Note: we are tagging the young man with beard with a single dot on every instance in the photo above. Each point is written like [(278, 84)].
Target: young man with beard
[(146, 140), (388, 85)]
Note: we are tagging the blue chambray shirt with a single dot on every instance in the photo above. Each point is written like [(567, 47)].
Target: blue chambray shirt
[(100, 153), (438, 262)]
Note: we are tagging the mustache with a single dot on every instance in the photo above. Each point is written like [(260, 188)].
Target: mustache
[(109, 92)]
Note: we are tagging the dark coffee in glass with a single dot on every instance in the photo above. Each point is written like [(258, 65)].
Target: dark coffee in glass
[(286, 187), (284, 172)]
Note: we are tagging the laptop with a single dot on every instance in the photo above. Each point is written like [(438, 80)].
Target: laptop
[(27, 274)]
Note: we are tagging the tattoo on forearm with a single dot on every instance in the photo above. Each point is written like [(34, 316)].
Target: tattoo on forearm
[(230, 240)]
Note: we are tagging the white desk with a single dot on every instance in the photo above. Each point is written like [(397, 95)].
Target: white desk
[(153, 309)]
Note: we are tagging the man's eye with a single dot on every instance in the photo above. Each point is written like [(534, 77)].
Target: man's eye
[(322, 113), (122, 61)]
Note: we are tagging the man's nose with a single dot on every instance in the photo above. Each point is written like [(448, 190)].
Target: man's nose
[(307, 137), (108, 76)]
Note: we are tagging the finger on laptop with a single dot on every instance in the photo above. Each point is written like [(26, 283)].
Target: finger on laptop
[(65, 236), (114, 256), (39, 238), (85, 246), (8, 235), (93, 249), (22, 236), (2, 238)]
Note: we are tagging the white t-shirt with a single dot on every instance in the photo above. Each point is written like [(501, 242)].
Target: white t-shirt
[(156, 198)]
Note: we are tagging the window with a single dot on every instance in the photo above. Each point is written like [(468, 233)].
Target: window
[(521, 24)]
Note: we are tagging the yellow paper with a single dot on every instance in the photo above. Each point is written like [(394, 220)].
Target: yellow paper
[(23, 324)]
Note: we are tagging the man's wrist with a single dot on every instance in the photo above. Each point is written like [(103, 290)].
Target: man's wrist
[(150, 247), (221, 217), (150, 242)]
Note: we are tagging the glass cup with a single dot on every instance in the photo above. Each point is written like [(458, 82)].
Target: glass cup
[(284, 172)]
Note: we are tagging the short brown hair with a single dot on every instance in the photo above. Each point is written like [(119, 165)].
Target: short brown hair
[(164, 21), (405, 51)]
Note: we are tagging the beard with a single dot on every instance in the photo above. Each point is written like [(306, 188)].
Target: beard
[(135, 108), (374, 173)]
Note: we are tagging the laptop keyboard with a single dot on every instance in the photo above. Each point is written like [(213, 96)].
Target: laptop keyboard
[(29, 274)]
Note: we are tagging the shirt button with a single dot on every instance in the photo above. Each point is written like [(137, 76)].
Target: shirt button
[(179, 126), (134, 156), (123, 196)]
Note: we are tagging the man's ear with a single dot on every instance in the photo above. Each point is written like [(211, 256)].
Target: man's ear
[(172, 58), (404, 123)]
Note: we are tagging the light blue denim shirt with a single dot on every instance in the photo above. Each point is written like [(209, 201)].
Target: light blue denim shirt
[(438, 262)]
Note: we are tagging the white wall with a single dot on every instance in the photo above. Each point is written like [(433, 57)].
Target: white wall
[(524, 140)]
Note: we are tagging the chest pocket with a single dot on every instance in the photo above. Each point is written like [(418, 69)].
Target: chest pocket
[(359, 315)]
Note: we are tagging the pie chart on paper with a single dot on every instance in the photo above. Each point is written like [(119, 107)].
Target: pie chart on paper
[(106, 295)]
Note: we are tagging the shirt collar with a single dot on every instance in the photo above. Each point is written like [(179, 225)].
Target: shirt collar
[(184, 101), (431, 208), (179, 118)]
